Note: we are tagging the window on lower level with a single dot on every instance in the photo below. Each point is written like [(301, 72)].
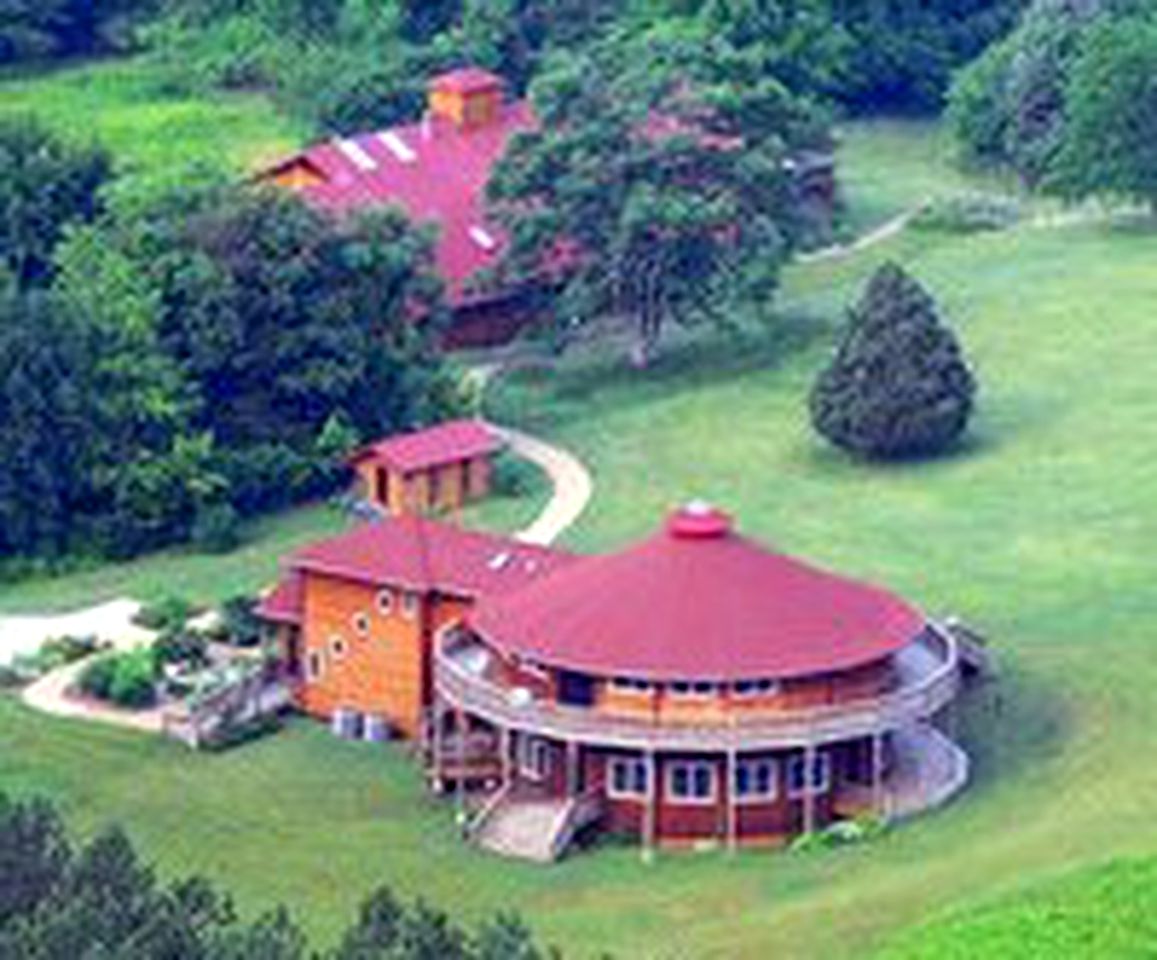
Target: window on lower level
[(691, 781), (534, 758), (337, 646), (755, 780), (754, 688), (627, 777), (800, 781), (698, 688), (360, 621), (314, 665)]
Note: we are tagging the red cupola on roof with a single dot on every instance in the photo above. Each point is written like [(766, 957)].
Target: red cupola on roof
[(698, 601)]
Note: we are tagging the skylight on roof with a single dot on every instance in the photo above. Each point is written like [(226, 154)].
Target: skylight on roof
[(356, 154), (500, 560), (483, 238), (401, 150)]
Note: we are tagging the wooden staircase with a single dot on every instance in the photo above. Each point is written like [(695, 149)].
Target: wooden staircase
[(530, 826)]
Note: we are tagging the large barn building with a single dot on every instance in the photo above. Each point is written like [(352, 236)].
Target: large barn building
[(695, 688)]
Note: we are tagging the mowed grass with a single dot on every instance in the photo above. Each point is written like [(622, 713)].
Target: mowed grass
[(1039, 532), (153, 134)]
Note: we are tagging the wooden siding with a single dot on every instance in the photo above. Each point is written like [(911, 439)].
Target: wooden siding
[(385, 672), (467, 111), (442, 489)]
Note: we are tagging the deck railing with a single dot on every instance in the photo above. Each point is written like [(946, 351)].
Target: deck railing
[(919, 698)]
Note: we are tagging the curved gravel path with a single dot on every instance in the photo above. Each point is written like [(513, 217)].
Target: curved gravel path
[(571, 480)]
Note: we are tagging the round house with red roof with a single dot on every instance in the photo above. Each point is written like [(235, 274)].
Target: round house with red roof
[(696, 688)]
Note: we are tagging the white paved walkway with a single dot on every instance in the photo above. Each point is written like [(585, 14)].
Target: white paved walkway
[(111, 622), (571, 480)]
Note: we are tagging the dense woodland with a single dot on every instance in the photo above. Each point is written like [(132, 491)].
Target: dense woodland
[(178, 357)]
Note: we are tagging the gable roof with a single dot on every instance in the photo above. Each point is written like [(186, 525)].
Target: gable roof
[(417, 553), (449, 442), (434, 171), (697, 601), (283, 603)]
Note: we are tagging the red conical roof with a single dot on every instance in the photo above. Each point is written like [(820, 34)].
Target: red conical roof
[(697, 601)]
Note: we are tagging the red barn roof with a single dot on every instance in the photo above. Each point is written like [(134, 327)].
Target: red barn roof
[(698, 601), (434, 170), (449, 442), (421, 554)]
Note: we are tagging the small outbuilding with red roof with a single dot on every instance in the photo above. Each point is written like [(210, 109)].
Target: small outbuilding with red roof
[(435, 470)]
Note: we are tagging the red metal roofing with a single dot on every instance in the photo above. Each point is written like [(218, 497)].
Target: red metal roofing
[(697, 601), (467, 80), (283, 603), (423, 554), (438, 177), (449, 442)]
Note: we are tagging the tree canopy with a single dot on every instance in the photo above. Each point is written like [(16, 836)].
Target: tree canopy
[(101, 899), (659, 177)]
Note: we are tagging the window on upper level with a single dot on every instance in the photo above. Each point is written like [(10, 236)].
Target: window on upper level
[(410, 605), (337, 646), (627, 778), (755, 780), (800, 783), (691, 781), (360, 622), (385, 601)]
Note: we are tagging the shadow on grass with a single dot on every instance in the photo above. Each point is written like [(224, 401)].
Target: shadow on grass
[(1012, 726), (574, 385)]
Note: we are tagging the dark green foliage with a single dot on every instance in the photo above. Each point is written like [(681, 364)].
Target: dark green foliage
[(166, 615), (240, 624), (238, 734), (1110, 144), (897, 385), (40, 29), (215, 528), (45, 184), (1010, 106), (513, 476), (125, 679), (102, 901), (669, 220), (46, 393), (183, 647)]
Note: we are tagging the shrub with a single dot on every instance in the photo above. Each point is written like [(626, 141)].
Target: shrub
[(240, 624), (216, 529), (134, 680), (96, 678), (969, 213), (125, 679), (182, 646), (897, 385), (513, 476), (236, 734), (165, 615)]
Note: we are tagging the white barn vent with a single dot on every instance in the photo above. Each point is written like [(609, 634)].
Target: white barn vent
[(401, 150), (483, 238), (356, 154)]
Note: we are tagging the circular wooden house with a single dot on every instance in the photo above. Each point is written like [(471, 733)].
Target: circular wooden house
[(695, 688)]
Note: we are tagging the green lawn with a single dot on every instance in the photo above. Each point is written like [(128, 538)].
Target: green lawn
[(152, 134), (1040, 532)]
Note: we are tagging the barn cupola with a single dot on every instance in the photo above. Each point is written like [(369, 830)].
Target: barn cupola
[(469, 98)]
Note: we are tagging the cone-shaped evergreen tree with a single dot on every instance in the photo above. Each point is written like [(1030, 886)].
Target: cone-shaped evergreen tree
[(898, 385)]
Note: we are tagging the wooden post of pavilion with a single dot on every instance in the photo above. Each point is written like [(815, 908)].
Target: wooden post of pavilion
[(437, 744), (732, 813), (809, 798), (460, 783), (504, 743), (572, 768), (650, 812), (878, 774)]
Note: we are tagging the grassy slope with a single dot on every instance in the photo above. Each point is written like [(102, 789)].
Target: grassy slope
[(1037, 533), (151, 133)]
